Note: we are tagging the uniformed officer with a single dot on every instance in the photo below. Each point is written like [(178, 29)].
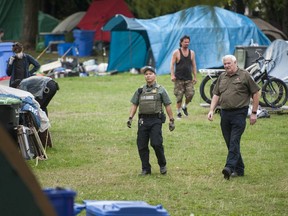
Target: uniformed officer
[(150, 99), (233, 92)]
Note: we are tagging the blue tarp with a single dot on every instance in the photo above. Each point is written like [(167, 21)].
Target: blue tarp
[(214, 32)]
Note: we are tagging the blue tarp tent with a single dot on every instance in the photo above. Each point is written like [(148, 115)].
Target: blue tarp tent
[(214, 32)]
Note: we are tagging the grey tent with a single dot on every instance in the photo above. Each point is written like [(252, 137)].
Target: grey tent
[(270, 31), (69, 23)]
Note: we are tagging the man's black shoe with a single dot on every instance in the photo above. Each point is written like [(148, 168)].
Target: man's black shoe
[(185, 111), (145, 172), (179, 116), (226, 172), (163, 170)]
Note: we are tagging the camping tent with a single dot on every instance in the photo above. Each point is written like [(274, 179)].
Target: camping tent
[(99, 12), (69, 23), (214, 32), (270, 31), (278, 51), (46, 22)]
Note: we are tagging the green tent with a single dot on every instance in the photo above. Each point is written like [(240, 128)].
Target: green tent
[(12, 16)]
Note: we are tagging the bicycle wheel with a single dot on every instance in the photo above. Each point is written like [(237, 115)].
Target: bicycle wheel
[(206, 88), (274, 93)]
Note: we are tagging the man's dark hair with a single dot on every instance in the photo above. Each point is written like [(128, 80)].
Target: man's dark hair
[(184, 37)]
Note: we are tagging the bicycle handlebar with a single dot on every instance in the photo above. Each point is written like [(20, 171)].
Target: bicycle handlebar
[(260, 57)]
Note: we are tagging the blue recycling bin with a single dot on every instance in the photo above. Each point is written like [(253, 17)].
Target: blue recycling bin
[(84, 41), (123, 208), (5, 54)]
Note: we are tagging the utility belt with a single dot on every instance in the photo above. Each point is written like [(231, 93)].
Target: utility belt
[(236, 109), (161, 116), (156, 115)]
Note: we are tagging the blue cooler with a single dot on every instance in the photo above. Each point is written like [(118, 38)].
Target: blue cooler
[(123, 208), (62, 200)]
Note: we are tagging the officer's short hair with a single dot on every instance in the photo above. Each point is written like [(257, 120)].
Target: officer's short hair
[(146, 68)]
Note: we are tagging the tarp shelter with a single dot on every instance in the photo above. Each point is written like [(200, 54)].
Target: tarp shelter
[(69, 23), (99, 12), (270, 31), (214, 32), (278, 51)]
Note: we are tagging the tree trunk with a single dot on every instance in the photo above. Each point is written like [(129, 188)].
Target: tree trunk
[(285, 18), (30, 24)]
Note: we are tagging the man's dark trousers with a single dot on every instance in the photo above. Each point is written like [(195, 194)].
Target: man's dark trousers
[(233, 123)]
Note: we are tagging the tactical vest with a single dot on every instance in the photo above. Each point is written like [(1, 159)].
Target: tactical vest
[(150, 102)]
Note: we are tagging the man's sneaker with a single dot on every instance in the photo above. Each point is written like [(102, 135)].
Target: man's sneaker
[(179, 115), (185, 111), (163, 170), (145, 172)]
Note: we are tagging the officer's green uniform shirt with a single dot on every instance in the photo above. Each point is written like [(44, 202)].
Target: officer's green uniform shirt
[(161, 90), (235, 91)]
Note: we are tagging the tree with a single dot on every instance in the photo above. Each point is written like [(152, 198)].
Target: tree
[(30, 24)]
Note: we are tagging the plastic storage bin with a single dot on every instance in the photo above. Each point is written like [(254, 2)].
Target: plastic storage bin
[(62, 200), (84, 41), (9, 113), (5, 54), (64, 47), (123, 208)]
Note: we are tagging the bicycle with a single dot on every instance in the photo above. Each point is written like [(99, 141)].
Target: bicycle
[(273, 90)]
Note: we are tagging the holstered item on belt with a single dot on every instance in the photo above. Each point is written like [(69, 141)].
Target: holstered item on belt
[(163, 117)]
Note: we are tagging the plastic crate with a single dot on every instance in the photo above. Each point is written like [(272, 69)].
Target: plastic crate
[(62, 200), (123, 208)]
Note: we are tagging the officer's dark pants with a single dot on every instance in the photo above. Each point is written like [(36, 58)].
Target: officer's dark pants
[(150, 129), (49, 92), (233, 123)]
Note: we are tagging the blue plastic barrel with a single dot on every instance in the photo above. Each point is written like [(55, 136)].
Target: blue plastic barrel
[(84, 41)]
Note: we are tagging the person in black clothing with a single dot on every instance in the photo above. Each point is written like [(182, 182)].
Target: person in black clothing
[(18, 65), (184, 60)]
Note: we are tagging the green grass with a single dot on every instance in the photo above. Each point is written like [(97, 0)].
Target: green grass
[(95, 154)]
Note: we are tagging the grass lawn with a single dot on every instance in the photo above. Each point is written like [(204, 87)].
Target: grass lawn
[(95, 154)]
